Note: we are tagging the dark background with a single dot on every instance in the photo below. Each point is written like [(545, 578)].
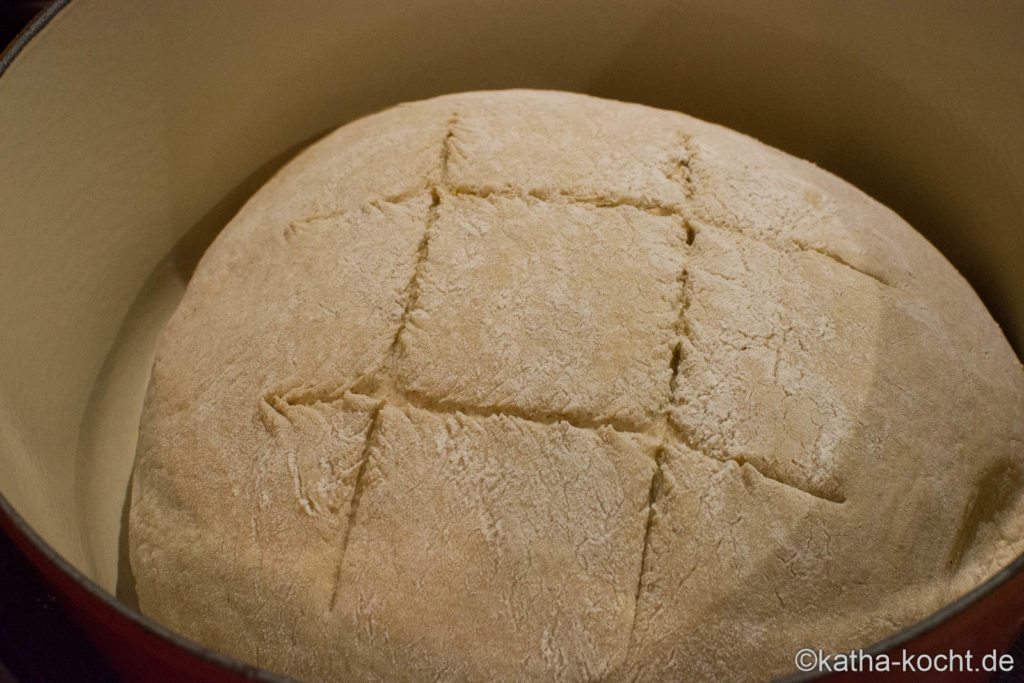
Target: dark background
[(38, 641), (14, 14)]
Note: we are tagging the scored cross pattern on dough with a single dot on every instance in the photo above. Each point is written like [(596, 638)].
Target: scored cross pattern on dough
[(504, 402), (380, 387), (660, 432)]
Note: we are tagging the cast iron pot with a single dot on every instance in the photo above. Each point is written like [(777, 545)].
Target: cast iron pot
[(130, 132)]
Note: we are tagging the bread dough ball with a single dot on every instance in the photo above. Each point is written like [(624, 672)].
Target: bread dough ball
[(535, 385)]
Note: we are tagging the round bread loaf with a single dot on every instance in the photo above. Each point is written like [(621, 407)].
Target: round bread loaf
[(534, 385)]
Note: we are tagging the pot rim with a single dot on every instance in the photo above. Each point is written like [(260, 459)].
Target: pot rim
[(17, 524)]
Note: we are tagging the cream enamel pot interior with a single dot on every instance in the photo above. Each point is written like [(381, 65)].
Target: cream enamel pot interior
[(130, 132)]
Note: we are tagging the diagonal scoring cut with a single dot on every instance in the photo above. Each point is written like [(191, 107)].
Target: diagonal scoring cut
[(382, 390)]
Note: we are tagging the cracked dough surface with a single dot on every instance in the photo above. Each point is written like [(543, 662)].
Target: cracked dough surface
[(535, 385)]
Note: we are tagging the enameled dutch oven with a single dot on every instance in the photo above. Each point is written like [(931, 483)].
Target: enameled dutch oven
[(130, 132)]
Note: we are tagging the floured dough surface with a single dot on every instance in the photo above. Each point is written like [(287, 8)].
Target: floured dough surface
[(534, 385)]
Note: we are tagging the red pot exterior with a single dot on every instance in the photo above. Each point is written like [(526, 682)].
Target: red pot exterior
[(985, 621), (135, 649)]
